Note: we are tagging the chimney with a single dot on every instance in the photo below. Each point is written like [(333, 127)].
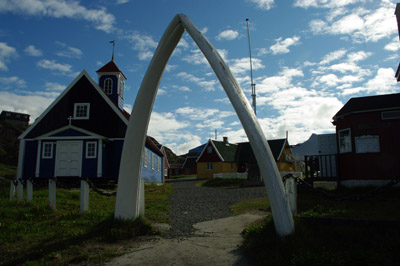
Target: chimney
[(226, 140)]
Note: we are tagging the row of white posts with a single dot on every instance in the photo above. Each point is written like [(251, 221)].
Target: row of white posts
[(290, 189), (84, 193)]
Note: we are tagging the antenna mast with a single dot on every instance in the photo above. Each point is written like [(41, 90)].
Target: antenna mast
[(253, 86)]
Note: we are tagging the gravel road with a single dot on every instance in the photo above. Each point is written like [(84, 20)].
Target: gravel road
[(190, 204)]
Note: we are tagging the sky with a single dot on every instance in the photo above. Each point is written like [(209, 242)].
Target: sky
[(309, 57)]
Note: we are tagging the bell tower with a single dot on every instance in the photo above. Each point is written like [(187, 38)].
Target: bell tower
[(112, 81)]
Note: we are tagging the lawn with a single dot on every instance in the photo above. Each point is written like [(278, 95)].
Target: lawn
[(329, 232), (32, 234)]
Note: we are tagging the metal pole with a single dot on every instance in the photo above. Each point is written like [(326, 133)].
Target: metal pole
[(253, 86)]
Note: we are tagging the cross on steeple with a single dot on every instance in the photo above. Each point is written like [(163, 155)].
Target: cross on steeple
[(113, 43)]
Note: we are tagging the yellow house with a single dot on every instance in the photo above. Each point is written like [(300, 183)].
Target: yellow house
[(217, 157), (224, 157)]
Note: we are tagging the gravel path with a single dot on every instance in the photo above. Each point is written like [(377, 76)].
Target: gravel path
[(190, 204)]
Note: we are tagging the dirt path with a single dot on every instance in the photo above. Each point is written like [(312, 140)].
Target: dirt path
[(215, 243)]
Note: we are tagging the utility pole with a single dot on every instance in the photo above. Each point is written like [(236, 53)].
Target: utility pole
[(253, 86)]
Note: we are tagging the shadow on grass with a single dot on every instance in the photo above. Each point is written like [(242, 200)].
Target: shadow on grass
[(320, 243), (110, 230)]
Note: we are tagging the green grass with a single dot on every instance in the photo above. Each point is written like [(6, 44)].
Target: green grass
[(251, 205), (33, 234), (6, 170), (182, 176), (338, 241)]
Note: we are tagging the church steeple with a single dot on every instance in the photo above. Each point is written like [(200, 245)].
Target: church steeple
[(111, 80)]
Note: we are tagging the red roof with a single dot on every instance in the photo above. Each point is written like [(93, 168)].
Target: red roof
[(110, 67)]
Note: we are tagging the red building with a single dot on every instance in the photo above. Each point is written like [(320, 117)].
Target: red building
[(367, 130)]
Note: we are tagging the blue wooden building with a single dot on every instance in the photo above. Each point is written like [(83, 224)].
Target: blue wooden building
[(81, 133)]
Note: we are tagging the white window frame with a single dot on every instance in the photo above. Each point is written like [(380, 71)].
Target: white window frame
[(108, 89), (347, 143), (76, 109), (44, 154), (87, 149), (152, 161), (209, 166), (159, 160)]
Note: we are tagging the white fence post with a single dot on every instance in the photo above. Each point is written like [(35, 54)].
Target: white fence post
[(29, 190), (12, 190), (291, 194), (20, 190), (84, 196), (52, 193)]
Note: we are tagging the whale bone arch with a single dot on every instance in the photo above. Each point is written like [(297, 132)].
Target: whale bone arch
[(130, 197)]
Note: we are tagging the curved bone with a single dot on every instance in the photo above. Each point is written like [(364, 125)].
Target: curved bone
[(128, 201)]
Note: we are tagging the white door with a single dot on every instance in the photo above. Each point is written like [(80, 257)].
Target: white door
[(68, 158)]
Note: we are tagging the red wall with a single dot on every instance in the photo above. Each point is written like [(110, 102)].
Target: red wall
[(382, 165), (209, 157)]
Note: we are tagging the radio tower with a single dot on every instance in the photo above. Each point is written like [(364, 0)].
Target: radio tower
[(253, 86)]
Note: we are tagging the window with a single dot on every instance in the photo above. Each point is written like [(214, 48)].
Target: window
[(91, 149), (209, 166), (367, 144), (209, 149), (108, 85), (390, 115), (159, 160), (152, 161), (145, 157), (47, 150), (121, 89), (232, 166), (344, 140), (81, 110)]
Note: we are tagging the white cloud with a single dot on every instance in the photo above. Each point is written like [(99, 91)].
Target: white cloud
[(383, 82), (228, 35), (207, 85), (300, 112), (242, 65), (101, 19), (33, 51), (143, 44), (12, 82), (359, 24), (282, 80), (165, 127), (324, 3), (122, 2), (184, 88), (394, 45), (282, 46), (33, 105), (54, 66), (263, 4), (54, 86), (69, 51), (6, 53)]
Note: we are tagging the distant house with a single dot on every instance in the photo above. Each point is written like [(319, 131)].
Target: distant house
[(224, 157), (82, 132), (189, 166), (18, 119), (368, 140), (217, 157)]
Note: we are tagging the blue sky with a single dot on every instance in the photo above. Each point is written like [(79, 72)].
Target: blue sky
[(309, 58)]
